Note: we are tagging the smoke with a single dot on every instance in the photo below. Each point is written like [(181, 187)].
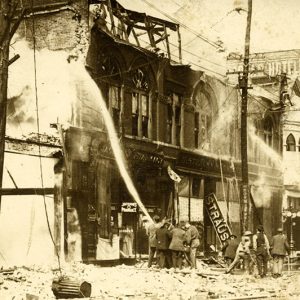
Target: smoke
[(52, 85), (261, 192), (269, 152)]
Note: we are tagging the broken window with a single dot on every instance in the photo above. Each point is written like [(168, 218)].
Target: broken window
[(140, 104), (115, 104), (173, 119), (135, 113), (203, 121)]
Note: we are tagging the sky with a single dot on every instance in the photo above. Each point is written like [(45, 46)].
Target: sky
[(275, 26)]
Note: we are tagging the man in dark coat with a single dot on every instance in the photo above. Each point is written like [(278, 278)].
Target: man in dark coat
[(279, 246), (178, 238), (162, 246), (261, 248), (229, 249), (152, 238)]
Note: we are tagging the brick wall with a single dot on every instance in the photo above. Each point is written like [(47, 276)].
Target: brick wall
[(59, 27)]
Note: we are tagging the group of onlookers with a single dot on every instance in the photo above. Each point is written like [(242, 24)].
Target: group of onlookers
[(256, 249), (172, 243)]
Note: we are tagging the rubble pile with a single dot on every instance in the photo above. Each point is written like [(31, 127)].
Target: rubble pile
[(139, 282)]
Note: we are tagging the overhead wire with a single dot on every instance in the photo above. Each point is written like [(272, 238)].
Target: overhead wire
[(189, 62), (183, 25)]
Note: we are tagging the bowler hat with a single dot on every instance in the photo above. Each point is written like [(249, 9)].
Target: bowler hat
[(248, 232)]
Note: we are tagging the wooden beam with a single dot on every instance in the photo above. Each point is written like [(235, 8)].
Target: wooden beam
[(136, 37), (26, 191), (113, 27), (167, 42), (179, 44), (150, 34), (164, 37)]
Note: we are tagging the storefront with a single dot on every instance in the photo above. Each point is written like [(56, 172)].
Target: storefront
[(201, 176)]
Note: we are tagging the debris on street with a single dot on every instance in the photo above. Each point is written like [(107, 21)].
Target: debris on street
[(134, 282)]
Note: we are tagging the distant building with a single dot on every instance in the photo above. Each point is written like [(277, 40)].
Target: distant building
[(275, 76)]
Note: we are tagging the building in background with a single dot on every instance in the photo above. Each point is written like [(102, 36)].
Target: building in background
[(275, 76)]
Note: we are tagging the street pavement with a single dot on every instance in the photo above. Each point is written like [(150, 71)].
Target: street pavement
[(139, 282)]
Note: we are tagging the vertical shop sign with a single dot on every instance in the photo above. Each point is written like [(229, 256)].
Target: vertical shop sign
[(221, 227)]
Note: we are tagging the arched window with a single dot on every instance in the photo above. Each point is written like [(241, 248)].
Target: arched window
[(202, 120), (290, 143)]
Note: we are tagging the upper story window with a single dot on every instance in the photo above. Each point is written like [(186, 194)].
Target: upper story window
[(290, 143), (111, 78), (174, 119), (202, 121), (140, 103), (268, 132)]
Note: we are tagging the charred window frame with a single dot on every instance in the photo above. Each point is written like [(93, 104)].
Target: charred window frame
[(114, 96), (140, 103), (110, 77), (203, 120), (173, 121)]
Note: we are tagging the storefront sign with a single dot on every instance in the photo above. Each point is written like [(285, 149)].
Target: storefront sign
[(129, 207), (222, 229), (145, 157), (200, 163)]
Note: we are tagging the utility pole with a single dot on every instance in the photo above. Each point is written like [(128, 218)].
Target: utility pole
[(243, 85), (11, 16)]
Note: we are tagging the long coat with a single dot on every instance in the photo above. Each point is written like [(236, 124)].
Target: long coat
[(152, 233), (279, 245), (162, 238), (178, 238)]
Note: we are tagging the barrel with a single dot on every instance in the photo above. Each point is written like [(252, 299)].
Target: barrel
[(65, 287)]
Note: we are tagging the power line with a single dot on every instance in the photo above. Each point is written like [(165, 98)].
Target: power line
[(198, 35), (195, 55)]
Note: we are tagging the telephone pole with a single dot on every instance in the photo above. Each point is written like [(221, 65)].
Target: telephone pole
[(243, 85), (11, 16)]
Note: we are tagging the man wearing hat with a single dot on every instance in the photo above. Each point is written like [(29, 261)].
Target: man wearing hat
[(262, 251), (279, 246), (152, 237), (243, 252), (229, 249)]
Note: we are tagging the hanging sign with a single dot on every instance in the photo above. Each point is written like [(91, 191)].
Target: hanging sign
[(129, 207), (221, 227)]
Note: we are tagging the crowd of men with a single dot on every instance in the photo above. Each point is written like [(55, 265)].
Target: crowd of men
[(256, 249), (173, 244)]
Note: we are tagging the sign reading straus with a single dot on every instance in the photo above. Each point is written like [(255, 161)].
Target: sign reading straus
[(221, 227)]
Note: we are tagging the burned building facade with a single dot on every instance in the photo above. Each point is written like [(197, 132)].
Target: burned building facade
[(167, 118)]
